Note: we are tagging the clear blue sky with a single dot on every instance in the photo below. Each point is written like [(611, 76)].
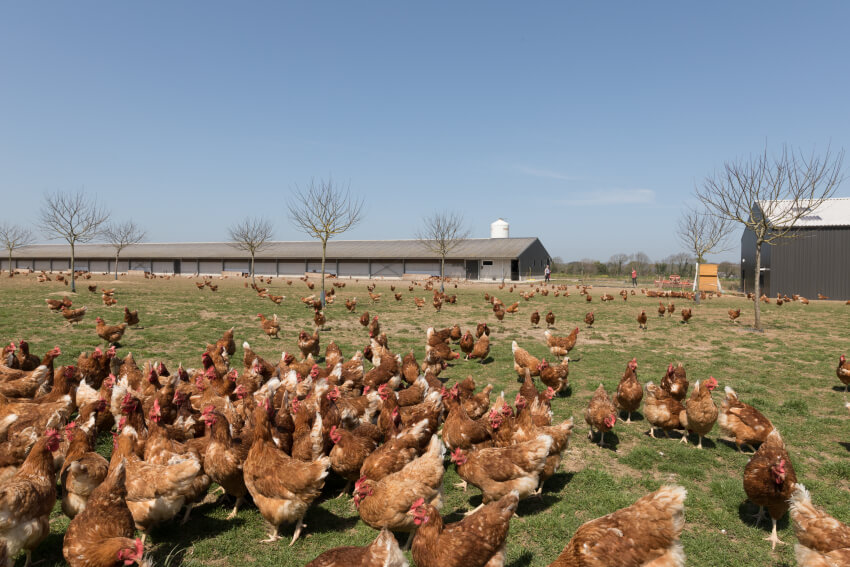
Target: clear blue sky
[(584, 123)]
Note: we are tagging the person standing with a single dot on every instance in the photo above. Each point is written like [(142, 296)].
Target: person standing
[(634, 277), (546, 273)]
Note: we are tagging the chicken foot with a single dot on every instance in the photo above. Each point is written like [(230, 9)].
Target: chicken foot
[(462, 484), (273, 537), (239, 501)]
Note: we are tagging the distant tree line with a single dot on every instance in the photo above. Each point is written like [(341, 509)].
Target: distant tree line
[(621, 265)]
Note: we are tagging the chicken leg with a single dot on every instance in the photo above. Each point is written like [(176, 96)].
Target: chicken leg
[(760, 516), (773, 538), (297, 533), (239, 501), (273, 537)]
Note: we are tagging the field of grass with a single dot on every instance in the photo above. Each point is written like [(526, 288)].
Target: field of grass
[(788, 372)]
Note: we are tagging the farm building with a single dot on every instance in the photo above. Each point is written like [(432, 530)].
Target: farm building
[(474, 258), (813, 260)]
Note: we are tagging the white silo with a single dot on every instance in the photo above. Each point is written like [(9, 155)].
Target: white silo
[(500, 229)]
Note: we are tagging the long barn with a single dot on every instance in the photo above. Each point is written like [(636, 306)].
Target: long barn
[(487, 259), (813, 260)]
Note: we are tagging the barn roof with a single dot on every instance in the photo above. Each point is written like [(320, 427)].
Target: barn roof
[(831, 212), (484, 248)]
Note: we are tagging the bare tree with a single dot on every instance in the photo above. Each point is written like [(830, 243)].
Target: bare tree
[(251, 235), (770, 194), (640, 261), (617, 261), (703, 234), (122, 235), (324, 210), (14, 236), (441, 233), (73, 217)]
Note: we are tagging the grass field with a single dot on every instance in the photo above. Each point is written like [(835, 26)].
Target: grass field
[(788, 372)]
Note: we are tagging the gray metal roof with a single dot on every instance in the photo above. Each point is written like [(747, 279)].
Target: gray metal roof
[(484, 248)]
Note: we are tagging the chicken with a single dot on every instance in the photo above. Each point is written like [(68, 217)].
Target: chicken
[(734, 314), (384, 503), (641, 319), (661, 309), (374, 326), (675, 381), (102, 535), (26, 386), (282, 487), (645, 534), (700, 411), (459, 430), (26, 360), (271, 327), (73, 315), (498, 471), (661, 410), (843, 373), (550, 319), (319, 320), (824, 541), (155, 493), (769, 479), (309, 345), (396, 452), (110, 333), (383, 552), (629, 391), (500, 314), (478, 540), (687, 313), (351, 304), (588, 319), (600, 414), (225, 458), (742, 422), (83, 470), (467, 343), (27, 499), (481, 350), (349, 452), (555, 377), (561, 346), (535, 318), (58, 304), (523, 360), (131, 317)]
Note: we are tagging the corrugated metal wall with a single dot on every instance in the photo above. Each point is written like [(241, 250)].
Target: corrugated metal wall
[(430, 267), (265, 267), (353, 268), (382, 268), (498, 270), (291, 268), (814, 262), (237, 266), (209, 267), (533, 260)]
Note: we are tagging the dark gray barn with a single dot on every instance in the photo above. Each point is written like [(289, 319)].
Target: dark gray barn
[(816, 260), (487, 259)]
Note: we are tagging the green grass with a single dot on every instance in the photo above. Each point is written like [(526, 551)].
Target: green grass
[(788, 372)]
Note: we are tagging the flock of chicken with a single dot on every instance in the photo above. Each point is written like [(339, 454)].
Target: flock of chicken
[(274, 431)]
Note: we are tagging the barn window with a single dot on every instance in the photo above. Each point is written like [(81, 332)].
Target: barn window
[(487, 262)]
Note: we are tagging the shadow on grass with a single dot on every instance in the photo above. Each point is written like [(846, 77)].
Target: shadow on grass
[(611, 441), (636, 416), (845, 444), (523, 560), (747, 510), (558, 481), (839, 389)]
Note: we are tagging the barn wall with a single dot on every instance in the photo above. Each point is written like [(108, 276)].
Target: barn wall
[(290, 268), (533, 260), (354, 268), (265, 267), (813, 262), (500, 269)]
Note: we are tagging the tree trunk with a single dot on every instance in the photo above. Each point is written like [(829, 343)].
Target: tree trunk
[(324, 250), (757, 288), (73, 272), (252, 269), (116, 265), (10, 263), (442, 274)]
